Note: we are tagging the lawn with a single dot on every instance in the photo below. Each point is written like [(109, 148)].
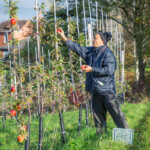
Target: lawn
[(138, 117)]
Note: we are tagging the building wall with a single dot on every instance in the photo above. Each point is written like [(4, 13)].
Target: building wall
[(24, 32), (2, 38)]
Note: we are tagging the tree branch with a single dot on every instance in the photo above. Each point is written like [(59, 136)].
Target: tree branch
[(120, 22)]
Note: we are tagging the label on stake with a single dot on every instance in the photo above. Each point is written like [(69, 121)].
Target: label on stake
[(123, 135)]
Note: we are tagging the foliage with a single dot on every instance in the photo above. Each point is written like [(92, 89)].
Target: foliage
[(133, 16), (12, 9)]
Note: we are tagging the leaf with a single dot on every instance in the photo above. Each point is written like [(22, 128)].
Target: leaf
[(16, 2), (6, 1)]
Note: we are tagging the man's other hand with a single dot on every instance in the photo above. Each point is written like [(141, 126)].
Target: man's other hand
[(86, 68)]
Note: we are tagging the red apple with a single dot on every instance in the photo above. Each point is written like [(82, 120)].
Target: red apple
[(71, 89), (13, 112), (59, 30), (12, 89), (83, 67), (20, 139), (17, 107), (13, 22)]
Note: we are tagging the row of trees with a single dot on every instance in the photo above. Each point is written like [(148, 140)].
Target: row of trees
[(54, 65), (132, 15)]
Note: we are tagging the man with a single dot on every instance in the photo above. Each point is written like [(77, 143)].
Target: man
[(100, 81)]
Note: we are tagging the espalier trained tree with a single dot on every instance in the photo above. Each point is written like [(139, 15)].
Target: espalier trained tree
[(42, 83), (46, 72)]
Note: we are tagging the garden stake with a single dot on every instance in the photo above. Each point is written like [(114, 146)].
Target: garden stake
[(90, 17), (28, 139), (80, 105), (96, 17), (87, 113), (102, 19), (62, 127)]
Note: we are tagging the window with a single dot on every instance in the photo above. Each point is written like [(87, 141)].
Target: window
[(5, 37)]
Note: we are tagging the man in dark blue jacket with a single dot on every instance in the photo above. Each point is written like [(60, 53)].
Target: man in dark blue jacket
[(100, 81)]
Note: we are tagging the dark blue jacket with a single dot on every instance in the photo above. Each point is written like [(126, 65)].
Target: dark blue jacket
[(101, 80)]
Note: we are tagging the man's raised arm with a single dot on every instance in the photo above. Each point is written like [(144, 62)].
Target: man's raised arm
[(80, 50)]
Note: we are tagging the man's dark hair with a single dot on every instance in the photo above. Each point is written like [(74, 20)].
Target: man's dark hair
[(105, 36)]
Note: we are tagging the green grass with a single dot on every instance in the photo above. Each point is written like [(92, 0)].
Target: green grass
[(138, 117)]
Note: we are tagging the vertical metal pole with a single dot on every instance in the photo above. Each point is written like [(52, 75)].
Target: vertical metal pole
[(29, 60), (56, 45), (111, 33), (38, 49), (36, 55), (115, 43), (28, 138), (15, 80), (19, 51), (43, 66), (85, 31), (106, 24), (100, 24), (117, 53), (85, 28), (39, 86), (102, 19), (80, 106), (37, 30), (55, 19), (111, 28), (120, 46), (120, 59), (123, 61), (72, 79), (90, 17), (90, 34), (96, 17), (122, 77), (49, 70), (10, 66), (77, 18), (77, 26)]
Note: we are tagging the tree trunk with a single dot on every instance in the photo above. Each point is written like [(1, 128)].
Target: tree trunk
[(141, 64)]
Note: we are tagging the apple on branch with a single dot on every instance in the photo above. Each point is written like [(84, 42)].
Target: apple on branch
[(17, 107), (13, 22), (20, 139), (12, 89), (13, 112)]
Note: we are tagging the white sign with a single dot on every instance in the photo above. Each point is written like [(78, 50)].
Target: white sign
[(123, 135)]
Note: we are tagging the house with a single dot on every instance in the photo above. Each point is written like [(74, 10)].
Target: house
[(23, 30)]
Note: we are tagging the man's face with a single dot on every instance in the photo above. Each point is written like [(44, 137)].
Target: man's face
[(97, 41)]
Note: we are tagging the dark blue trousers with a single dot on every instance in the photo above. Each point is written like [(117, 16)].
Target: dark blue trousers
[(103, 103)]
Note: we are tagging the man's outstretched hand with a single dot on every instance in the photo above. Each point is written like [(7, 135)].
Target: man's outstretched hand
[(86, 68), (62, 34)]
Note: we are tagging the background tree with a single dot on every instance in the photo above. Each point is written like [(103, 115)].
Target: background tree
[(135, 20)]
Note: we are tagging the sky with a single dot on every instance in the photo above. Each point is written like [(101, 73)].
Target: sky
[(26, 9)]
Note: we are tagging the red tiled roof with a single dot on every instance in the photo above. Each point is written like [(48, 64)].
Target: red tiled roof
[(6, 24)]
